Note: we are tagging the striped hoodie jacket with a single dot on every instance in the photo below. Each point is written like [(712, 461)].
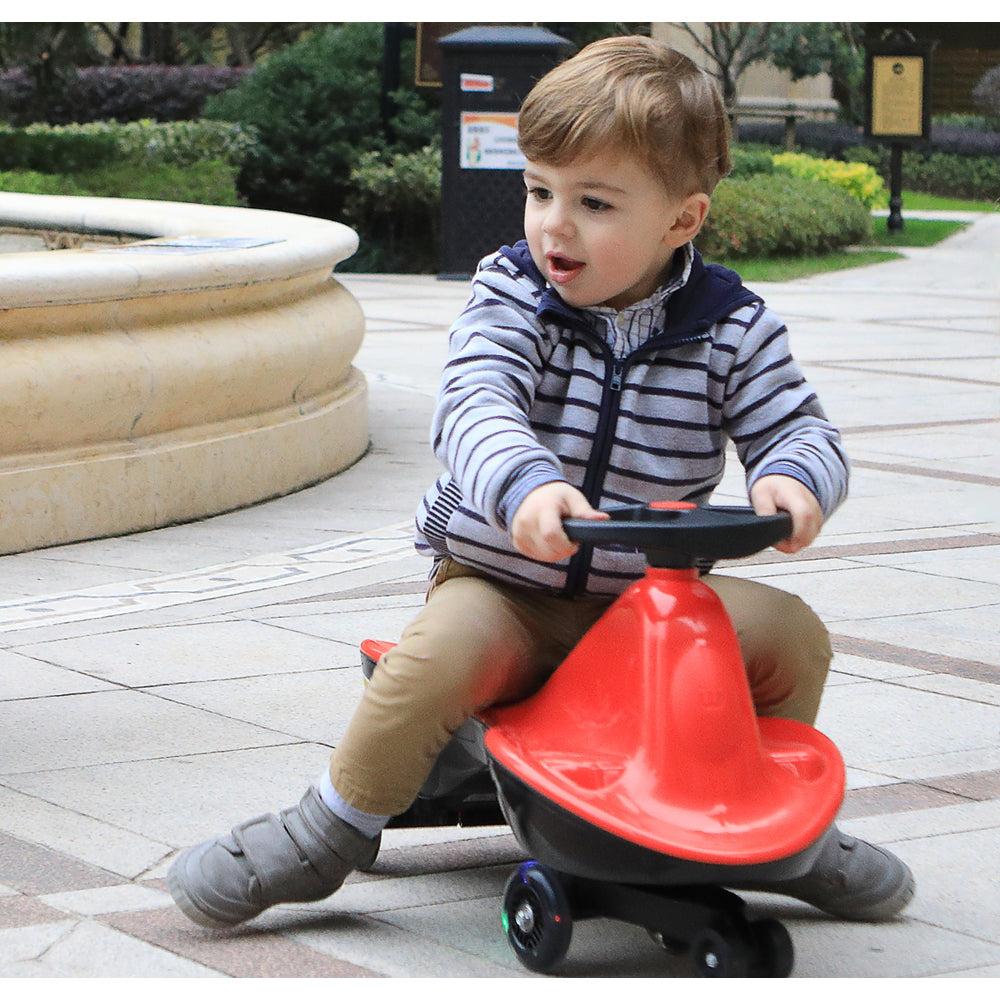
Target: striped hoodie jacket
[(628, 407)]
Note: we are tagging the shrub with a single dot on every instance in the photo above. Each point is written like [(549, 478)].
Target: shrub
[(775, 214), (210, 182), (182, 143), (118, 93), (858, 179), (395, 204), (938, 173), (316, 108), (832, 139), (35, 182), (749, 159), (972, 123)]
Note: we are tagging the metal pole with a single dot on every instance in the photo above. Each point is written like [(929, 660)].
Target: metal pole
[(896, 188)]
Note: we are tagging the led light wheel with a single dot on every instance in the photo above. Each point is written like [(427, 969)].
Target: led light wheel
[(536, 917)]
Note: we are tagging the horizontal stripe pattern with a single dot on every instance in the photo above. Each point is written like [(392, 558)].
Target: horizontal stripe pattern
[(525, 396)]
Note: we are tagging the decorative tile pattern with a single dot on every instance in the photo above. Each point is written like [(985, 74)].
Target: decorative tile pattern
[(136, 734)]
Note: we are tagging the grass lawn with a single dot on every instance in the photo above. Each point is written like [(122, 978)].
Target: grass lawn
[(920, 201), (915, 232)]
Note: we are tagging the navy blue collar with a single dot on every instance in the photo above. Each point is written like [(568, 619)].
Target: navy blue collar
[(711, 293)]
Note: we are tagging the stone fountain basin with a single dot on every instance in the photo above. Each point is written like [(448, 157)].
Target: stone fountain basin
[(177, 362)]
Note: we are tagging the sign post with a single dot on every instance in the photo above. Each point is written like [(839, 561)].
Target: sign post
[(898, 92)]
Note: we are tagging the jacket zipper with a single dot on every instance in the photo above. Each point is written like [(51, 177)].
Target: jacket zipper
[(604, 436)]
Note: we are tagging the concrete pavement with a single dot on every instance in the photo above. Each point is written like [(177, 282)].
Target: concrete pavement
[(158, 687)]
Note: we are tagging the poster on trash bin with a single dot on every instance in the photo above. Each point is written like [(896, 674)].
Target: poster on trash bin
[(488, 141)]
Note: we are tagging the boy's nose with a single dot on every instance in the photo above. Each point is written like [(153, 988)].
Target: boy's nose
[(557, 220)]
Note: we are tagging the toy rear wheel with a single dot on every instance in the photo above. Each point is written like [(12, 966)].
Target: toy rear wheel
[(536, 917)]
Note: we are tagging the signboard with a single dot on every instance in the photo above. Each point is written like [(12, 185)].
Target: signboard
[(897, 95), (898, 90), (488, 141)]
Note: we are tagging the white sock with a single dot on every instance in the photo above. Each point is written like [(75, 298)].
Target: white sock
[(368, 823)]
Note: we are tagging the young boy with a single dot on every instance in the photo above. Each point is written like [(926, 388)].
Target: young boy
[(599, 362)]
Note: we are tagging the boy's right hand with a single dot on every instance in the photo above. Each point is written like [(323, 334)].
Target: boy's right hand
[(537, 530)]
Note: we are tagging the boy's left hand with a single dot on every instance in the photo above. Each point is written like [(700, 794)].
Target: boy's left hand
[(773, 493)]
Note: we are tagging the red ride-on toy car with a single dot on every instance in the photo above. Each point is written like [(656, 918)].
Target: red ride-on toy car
[(639, 777)]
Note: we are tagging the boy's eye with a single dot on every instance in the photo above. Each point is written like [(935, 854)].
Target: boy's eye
[(595, 205), (539, 193)]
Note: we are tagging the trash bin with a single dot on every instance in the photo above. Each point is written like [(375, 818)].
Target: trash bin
[(486, 74)]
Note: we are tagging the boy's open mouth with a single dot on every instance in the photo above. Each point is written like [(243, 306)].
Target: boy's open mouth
[(561, 268)]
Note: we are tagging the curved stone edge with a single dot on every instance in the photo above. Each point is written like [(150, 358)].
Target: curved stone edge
[(58, 492), (175, 478), (290, 245)]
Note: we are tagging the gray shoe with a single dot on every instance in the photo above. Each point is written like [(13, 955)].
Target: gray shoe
[(303, 854), (851, 879)]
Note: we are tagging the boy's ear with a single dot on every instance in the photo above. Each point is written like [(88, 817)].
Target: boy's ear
[(689, 218)]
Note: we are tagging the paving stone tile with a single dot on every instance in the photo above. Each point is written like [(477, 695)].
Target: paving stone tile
[(964, 634), (31, 868), (246, 953), (115, 726), (907, 947), (113, 899), (27, 677), (313, 705), (86, 949), (89, 839), (21, 946), (26, 911), (396, 952), (143, 657), (895, 798), (875, 722), (979, 785), (181, 800)]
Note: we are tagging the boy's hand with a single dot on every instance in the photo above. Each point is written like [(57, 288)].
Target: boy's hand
[(537, 530), (773, 493)]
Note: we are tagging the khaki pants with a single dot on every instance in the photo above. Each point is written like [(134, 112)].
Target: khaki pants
[(479, 642)]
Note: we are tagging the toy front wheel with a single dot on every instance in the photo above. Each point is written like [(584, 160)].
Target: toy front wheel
[(734, 950), (536, 917), (774, 953), (720, 952)]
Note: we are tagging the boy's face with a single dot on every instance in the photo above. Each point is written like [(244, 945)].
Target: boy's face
[(603, 229)]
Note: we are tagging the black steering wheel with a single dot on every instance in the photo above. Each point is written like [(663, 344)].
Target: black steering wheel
[(678, 535)]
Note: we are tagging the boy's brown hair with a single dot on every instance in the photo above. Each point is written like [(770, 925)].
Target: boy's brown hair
[(637, 95)]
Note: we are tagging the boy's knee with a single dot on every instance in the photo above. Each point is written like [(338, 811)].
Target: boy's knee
[(785, 647)]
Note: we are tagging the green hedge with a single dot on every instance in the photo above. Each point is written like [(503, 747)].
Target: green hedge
[(775, 214), (194, 162), (946, 174), (206, 183), (66, 149), (54, 151), (751, 158)]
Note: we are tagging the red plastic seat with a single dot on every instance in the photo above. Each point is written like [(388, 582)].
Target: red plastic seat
[(648, 731)]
